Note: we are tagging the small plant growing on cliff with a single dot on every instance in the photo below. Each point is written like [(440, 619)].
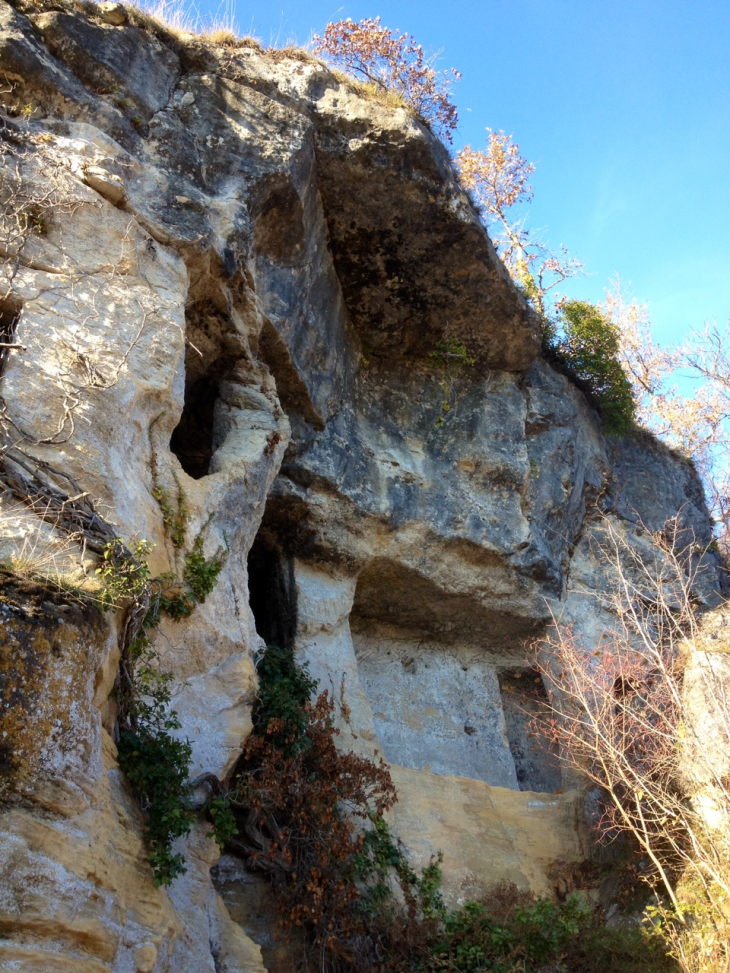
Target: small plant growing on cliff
[(174, 518), (392, 62), (124, 574), (201, 573), (450, 358)]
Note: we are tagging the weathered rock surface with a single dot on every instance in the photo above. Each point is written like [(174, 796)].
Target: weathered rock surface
[(487, 834), (236, 294)]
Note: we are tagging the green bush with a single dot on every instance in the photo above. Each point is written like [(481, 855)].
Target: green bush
[(533, 933), (514, 932), (285, 688), (154, 760), (586, 342), (156, 764), (619, 949), (123, 573)]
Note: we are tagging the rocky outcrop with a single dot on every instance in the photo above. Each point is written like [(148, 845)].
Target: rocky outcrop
[(229, 282)]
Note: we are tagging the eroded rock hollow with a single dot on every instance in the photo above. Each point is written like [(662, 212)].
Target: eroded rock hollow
[(238, 275)]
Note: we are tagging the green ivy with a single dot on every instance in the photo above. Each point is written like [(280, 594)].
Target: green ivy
[(429, 889), (174, 520), (201, 573), (221, 816), (155, 761), (179, 598), (157, 764), (373, 865)]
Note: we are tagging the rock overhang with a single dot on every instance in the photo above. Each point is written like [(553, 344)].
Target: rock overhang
[(321, 243)]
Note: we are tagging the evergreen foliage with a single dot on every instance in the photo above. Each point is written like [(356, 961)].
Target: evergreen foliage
[(285, 688), (587, 343), (155, 761), (156, 764)]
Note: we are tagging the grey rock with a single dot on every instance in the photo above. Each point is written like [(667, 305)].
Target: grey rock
[(127, 62), (266, 262)]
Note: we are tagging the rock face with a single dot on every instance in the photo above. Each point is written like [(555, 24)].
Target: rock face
[(229, 279)]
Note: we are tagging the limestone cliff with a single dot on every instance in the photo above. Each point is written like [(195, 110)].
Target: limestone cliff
[(229, 273)]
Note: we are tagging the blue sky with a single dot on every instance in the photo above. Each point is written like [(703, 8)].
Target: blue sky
[(623, 106)]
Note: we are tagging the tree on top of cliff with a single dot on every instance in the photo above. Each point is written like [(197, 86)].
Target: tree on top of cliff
[(588, 342), (498, 179), (581, 337), (391, 61)]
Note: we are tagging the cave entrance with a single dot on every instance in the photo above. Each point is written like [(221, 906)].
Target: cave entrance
[(192, 438), (272, 591), (212, 351), (525, 705)]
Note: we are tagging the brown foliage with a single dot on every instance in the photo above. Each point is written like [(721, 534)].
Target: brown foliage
[(645, 714), (301, 813), (498, 178), (393, 62)]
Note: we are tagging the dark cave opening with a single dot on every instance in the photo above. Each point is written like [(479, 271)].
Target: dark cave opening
[(525, 704), (10, 309), (272, 591), (192, 438), (212, 351)]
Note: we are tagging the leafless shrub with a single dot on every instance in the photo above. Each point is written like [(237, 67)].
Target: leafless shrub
[(645, 714)]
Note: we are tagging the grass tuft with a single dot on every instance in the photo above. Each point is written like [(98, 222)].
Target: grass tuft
[(31, 551), (182, 19)]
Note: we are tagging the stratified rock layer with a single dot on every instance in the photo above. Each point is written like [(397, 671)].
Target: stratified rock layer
[(239, 299)]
